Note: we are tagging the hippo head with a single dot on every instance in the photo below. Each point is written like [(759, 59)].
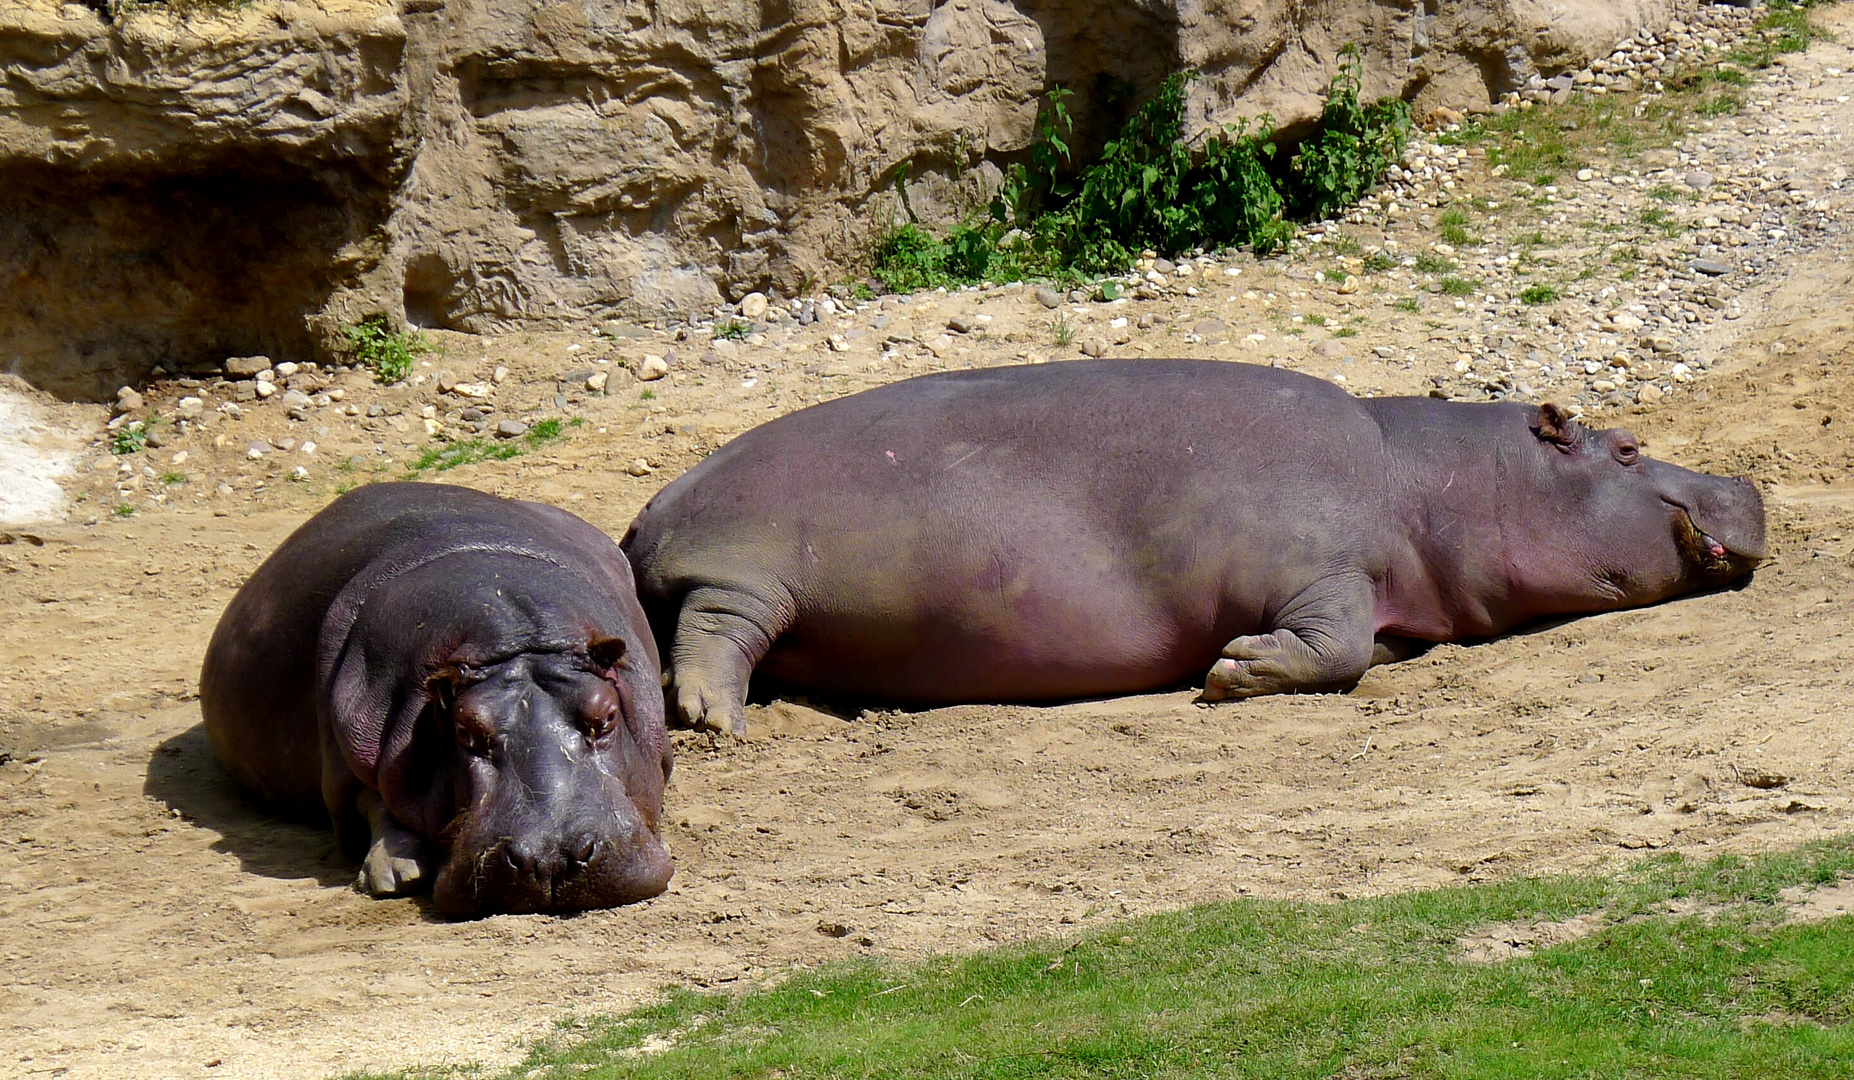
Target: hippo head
[(516, 726), (557, 786), (1600, 524)]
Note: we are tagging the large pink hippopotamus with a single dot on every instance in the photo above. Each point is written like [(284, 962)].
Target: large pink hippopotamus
[(1114, 526), (466, 686)]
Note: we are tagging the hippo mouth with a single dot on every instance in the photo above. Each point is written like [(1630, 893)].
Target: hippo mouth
[(1711, 557)]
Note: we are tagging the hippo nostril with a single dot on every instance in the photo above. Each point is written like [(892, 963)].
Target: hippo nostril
[(582, 850)]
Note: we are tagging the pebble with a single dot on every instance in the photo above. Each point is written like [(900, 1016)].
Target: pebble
[(639, 467), (509, 429), (266, 388), (286, 369), (653, 368), (596, 381), (1711, 267), (190, 408), (1330, 349), (256, 450), (299, 474), (1094, 346), (127, 400), (940, 345), (245, 367), (1048, 297), (961, 324), (753, 305)]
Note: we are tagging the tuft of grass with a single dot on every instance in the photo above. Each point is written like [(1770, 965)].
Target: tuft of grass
[(1663, 221), (123, 510), (1459, 286), (1454, 228), (1316, 319), (1375, 987), (647, 395), (1431, 263), (388, 353), (168, 478), (732, 330), (1062, 329), (1538, 294), (1377, 262), (1345, 331), (1343, 243), (1406, 303), (470, 451)]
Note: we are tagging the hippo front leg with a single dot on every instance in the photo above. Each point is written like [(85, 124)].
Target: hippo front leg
[(721, 636), (397, 862), (1324, 642)]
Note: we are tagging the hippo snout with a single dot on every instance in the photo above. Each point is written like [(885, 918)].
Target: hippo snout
[(575, 869), (1730, 513)]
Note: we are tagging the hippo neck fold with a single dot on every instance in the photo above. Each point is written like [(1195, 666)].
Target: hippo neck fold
[(1452, 490)]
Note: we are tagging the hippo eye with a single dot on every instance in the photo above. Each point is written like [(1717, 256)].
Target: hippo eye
[(1628, 453), (600, 711), (472, 734), (600, 724)]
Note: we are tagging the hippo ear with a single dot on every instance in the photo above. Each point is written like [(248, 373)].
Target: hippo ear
[(1555, 426), (606, 652)]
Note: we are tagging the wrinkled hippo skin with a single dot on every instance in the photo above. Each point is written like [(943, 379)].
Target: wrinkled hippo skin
[(466, 686), (1108, 527)]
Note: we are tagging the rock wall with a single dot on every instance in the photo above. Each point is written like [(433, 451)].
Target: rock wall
[(175, 190)]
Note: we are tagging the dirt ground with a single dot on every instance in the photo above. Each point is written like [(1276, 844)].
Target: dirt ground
[(154, 923)]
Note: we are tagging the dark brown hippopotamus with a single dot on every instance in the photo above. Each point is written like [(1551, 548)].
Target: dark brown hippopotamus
[(1108, 527), (466, 686)]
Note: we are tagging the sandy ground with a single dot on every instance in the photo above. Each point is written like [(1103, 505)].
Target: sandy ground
[(153, 923)]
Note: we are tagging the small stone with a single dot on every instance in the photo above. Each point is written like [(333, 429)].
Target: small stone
[(1048, 297), (940, 345), (837, 343), (639, 467), (245, 367), (471, 390), (245, 391), (1698, 180), (499, 374), (446, 381), (295, 399), (653, 368), (257, 450), (299, 474), (509, 429), (1648, 394), (266, 388), (960, 324), (1586, 175), (1210, 328), (1657, 343), (286, 369), (127, 400), (156, 438), (223, 488), (190, 407), (753, 305), (1711, 267), (1094, 346), (1348, 286), (1330, 349), (1383, 352), (596, 381)]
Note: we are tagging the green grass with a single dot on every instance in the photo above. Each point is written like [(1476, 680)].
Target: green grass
[(1662, 221), (1316, 319), (732, 330), (1538, 294), (1346, 331), (129, 438), (1454, 228), (1377, 262), (1062, 329), (1430, 263), (123, 510), (451, 455), (173, 478), (1406, 303), (1459, 286), (1364, 988)]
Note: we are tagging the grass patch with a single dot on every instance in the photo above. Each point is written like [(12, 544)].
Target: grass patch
[(1345, 331), (388, 353), (1663, 221), (169, 478), (470, 451), (123, 510), (1454, 228), (732, 330), (1377, 262), (1406, 303), (1538, 294), (1062, 329), (1316, 319), (1363, 988), (1430, 263), (1459, 286), (129, 438)]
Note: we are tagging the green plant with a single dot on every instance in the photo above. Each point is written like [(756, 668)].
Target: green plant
[(389, 353), (1062, 329), (1720, 105), (129, 438), (1344, 243), (1663, 193), (1454, 228), (1459, 286), (1662, 221), (168, 478), (123, 510), (1429, 263), (647, 395), (732, 330), (470, 451), (1352, 147), (1538, 294), (1406, 303), (1377, 262), (1345, 331)]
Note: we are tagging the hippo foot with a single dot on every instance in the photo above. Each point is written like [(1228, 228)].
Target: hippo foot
[(1282, 663), (396, 862), (390, 872), (707, 711)]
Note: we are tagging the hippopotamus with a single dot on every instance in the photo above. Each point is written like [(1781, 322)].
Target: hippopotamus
[(465, 686), (1090, 528)]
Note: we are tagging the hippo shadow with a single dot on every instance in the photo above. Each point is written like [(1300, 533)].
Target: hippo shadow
[(186, 777)]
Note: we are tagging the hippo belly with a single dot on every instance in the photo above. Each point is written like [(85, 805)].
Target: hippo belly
[(1099, 527), (465, 685)]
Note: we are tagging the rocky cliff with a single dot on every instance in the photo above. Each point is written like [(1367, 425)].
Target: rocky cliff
[(176, 188)]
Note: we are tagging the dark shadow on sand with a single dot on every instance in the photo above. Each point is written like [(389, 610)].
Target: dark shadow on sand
[(185, 776)]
